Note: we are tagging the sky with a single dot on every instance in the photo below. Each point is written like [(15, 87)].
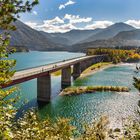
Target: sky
[(66, 15)]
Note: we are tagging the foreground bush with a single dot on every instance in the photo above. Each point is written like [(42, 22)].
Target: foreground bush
[(30, 127)]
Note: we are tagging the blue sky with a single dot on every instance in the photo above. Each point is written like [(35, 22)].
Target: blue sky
[(65, 15)]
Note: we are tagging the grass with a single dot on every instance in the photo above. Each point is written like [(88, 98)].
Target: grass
[(96, 66), (57, 73), (92, 89), (88, 70)]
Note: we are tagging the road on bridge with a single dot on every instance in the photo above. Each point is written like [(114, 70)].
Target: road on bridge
[(32, 73), (48, 68)]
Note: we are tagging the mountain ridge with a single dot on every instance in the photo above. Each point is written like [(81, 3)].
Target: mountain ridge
[(110, 32), (119, 34), (30, 38)]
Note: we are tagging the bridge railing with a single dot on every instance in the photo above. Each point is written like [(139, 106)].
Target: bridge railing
[(49, 67), (59, 62), (30, 73), (52, 63)]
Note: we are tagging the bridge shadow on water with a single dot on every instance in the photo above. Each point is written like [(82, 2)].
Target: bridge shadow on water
[(25, 107), (33, 104)]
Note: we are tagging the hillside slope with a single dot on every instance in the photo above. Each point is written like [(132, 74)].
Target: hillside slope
[(122, 39), (32, 39), (109, 32)]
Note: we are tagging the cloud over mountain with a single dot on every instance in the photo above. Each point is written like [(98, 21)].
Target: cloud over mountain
[(77, 19), (134, 23), (57, 24), (71, 22), (54, 21), (99, 24)]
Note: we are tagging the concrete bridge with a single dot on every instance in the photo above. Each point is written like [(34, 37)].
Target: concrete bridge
[(43, 74)]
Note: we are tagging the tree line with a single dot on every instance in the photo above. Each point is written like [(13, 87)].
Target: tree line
[(116, 55)]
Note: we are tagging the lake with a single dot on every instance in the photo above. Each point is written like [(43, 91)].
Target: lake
[(84, 108)]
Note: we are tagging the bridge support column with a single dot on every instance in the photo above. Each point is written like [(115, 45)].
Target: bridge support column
[(91, 62), (66, 77), (83, 66), (44, 88), (76, 71), (88, 63)]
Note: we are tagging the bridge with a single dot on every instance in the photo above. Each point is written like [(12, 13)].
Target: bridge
[(43, 74)]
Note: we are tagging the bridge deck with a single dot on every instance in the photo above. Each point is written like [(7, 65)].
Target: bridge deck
[(48, 68), (32, 73)]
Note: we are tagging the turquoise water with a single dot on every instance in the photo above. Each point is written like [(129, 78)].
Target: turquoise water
[(87, 107)]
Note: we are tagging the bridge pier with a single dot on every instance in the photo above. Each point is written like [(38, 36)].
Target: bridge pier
[(83, 65), (90, 63), (76, 70), (66, 77), (44, 88)]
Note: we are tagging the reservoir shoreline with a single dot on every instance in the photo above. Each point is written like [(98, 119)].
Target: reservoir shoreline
[(90, 72)]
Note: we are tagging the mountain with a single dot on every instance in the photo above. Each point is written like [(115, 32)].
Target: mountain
[(119, 34), (127, 39), (56, 38), (109, 32), (73, 36), (32, 39), (128, 35), (112, 43)]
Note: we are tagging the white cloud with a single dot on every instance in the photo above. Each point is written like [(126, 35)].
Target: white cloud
[(67, 23), (35, 13), (54, 21), (56, 28), (63, 6), (77, 19), (134, 23), (58, 24), (99, 24), (31, 24), (51, 26)]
